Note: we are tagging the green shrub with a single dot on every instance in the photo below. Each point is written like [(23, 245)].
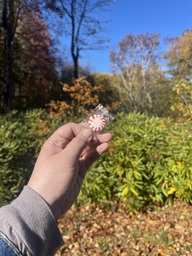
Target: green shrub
[(150, 160), (21, 136)]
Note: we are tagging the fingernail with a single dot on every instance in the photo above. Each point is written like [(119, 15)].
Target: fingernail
[(87, 133)]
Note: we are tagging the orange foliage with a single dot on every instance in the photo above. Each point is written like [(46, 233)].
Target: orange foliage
[(81, 97)]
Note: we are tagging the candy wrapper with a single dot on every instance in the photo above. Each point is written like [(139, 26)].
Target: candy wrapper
[(98, 119)]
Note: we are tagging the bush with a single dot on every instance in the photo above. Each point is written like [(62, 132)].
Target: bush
[(81, 97), (149, 161), (21, 136)]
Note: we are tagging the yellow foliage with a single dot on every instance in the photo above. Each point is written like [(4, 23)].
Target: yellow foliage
[(180, 55), (183, 103)]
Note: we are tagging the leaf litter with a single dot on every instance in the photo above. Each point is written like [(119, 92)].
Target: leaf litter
[(112, 231)]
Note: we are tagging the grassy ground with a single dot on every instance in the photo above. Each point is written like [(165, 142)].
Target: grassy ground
[(113, 231)]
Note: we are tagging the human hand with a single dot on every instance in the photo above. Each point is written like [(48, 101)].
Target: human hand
[(63, 163)]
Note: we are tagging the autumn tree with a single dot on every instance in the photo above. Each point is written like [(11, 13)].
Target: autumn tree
[(37, 63), (81, 23), (81, 97), (179, 56), (107, 94), (182, 104), (25, 54), (9, 14), (135, 61)]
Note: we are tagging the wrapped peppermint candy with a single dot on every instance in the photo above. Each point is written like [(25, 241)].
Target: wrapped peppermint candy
[(98, 119)]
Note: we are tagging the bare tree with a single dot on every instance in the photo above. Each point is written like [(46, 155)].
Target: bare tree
[(82, 23), (135, 61)]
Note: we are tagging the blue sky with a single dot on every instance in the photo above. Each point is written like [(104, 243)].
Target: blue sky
[(167, 17)]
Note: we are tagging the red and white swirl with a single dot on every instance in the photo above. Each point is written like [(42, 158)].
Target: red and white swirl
[(96, 122)]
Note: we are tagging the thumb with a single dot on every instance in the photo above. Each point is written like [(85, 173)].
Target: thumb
[(75, 148)]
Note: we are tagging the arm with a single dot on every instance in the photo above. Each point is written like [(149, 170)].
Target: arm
[(55, 184)]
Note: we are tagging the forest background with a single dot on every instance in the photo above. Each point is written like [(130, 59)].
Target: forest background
[(150, 159)]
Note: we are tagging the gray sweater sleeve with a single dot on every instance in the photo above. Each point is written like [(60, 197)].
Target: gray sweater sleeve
[(29, 223)]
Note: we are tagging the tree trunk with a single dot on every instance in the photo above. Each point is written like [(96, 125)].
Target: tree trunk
[(75, 56), (76, 68), (8, 19)]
